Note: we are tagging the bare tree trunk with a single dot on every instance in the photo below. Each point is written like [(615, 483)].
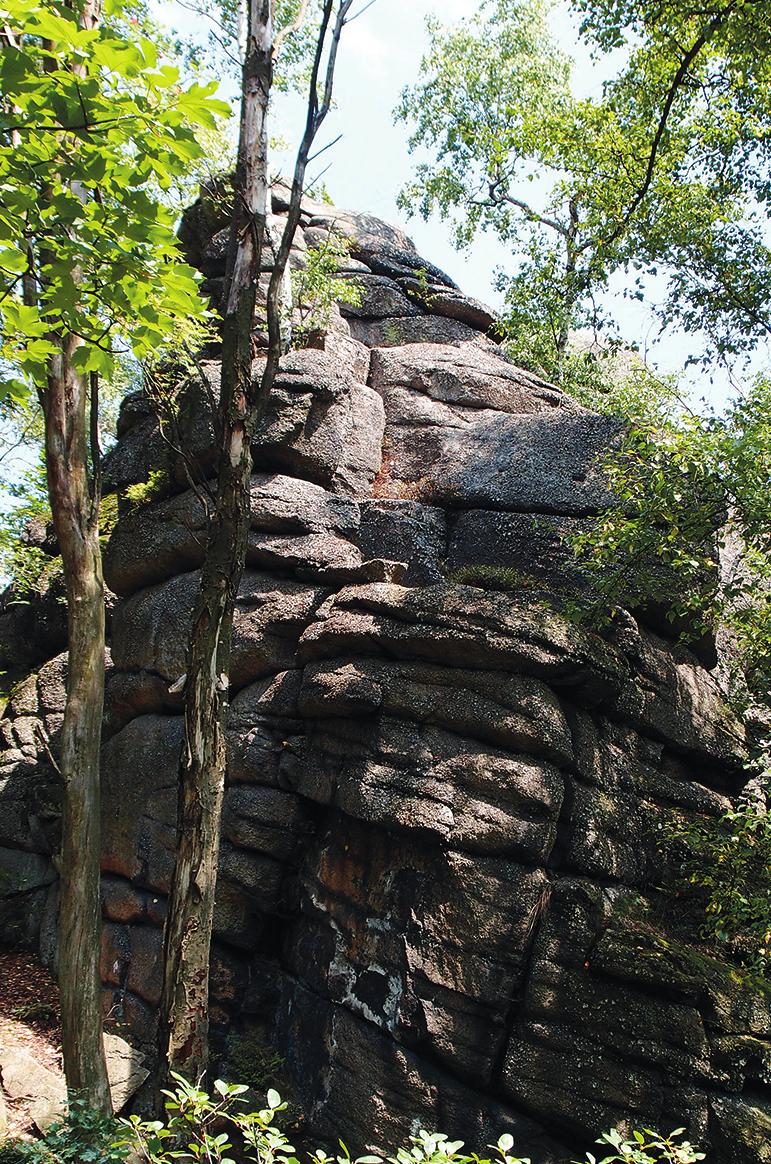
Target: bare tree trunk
[(183, 1029), (75, 509), (184, 1014)]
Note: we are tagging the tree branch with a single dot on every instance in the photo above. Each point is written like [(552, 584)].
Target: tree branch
[(293, 26), (718, 19)]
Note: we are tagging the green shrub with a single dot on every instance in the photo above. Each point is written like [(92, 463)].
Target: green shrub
[(202, 1127), (726, 863), (12, 1152), (319, 285), (83, 1136)]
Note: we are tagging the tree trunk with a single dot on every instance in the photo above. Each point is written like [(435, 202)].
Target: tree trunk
[(183, 1030), (184, 1015), (571, 293), (74, 499), (75, 512)]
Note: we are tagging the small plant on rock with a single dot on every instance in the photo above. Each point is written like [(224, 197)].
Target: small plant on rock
[(647, 1147), (320, 284)]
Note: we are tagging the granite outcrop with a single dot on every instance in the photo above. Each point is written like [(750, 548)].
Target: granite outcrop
[(444, 894)]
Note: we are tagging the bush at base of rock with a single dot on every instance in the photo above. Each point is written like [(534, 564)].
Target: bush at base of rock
[(82, 1137), (200, 1127)]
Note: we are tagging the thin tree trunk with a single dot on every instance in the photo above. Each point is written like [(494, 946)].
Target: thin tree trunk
[(75, 509), (74, 496), (183, 1030), (570, 297), (184, 1014)]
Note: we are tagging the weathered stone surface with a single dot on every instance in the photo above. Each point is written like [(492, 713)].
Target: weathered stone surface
[(321, 424), (139, 817), (743, 1129), (407, 531), (340, 344), (520, 714), (441, 981), (366, 232), (424, 780), (467, 376), (452, 304), (32, 628), (381, 1090), (134, 459), (674, 699), (42, 1091), (293, 523), (543, 463), (515, 551), (380, 299), (132, 959), (25, 882), (412, 329), (266, 820), (459, 625), (151, 629), (126, 1069), (568, 1083)]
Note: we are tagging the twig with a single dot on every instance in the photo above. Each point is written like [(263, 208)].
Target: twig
[(49, 754)]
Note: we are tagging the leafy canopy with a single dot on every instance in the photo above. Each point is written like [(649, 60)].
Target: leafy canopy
[(582, 189), (92, 126)]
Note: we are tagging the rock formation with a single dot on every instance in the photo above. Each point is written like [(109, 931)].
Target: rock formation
[(442, 862)]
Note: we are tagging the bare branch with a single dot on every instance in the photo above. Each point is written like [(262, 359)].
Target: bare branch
[(361, 12), (221, 41), (294, 26), (324, 149)]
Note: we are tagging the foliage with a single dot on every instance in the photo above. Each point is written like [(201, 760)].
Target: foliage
[(692, 533), (27, 565), (91, 120), (318, 286), (200, 1127), (221, 48), (11, 1152), (703, 75), (194, 1128), (608, 378), (647, 1147), (728, 863), (687, 488), (82, 1137), (581, 189)]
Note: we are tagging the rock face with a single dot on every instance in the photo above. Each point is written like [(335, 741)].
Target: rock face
[(441, 876)]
